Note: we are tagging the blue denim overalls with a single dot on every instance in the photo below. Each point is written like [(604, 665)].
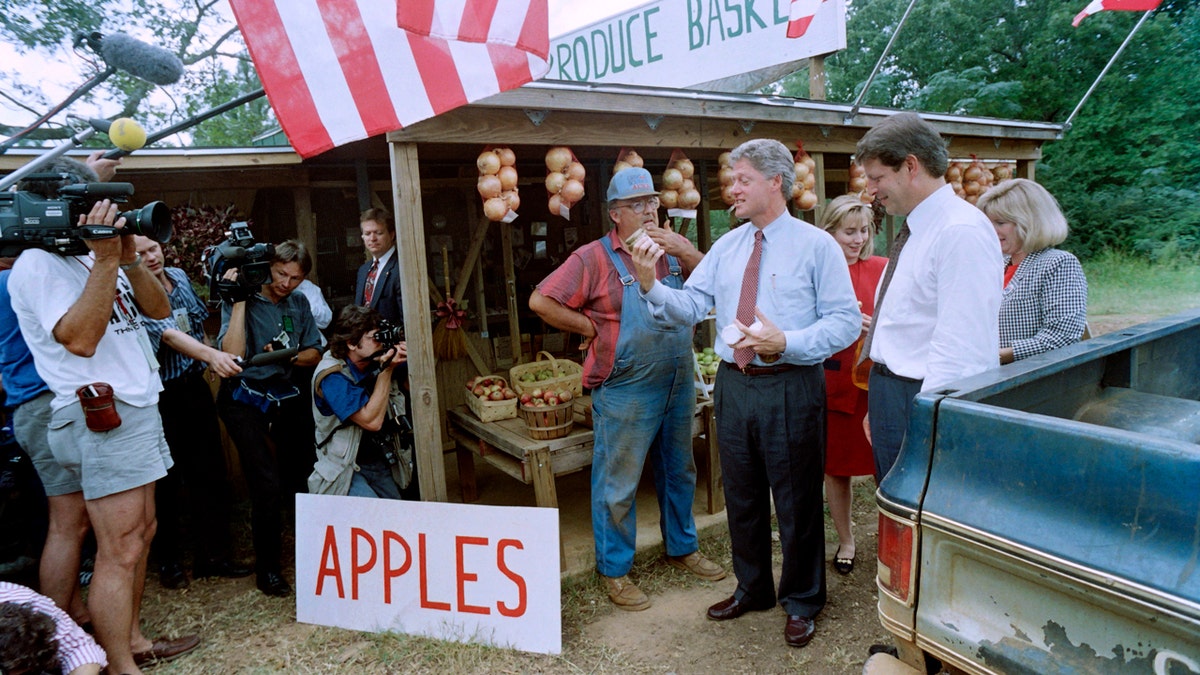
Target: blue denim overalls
[(645, 406)]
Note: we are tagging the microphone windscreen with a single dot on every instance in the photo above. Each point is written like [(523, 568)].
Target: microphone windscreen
[(153, 64), (127, 134)]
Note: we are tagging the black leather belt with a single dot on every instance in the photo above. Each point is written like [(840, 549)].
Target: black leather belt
[(763, 370), (886, 372)]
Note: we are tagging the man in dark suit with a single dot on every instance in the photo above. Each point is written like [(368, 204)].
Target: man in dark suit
[(378, 285)]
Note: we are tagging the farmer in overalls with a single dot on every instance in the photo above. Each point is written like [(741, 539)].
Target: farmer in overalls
[(640, 378)]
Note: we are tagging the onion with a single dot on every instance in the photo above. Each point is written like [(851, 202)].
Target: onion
[(633, 159), (685, 167), (555, 204), (488, 186), (810, 162), (669, 198), (488, 163), (575, 171), (686, 185), (672, 179), (972, 173), (727, 194), (495, 209), (802, 170), (689, 199), (810, 181), (512, 199), (621, 166), (954, 172), (723, 159), (807, 200), (958, 187), (507, 156), (572, 191), (972, 187), (858, 184), (1002, 172), (856, 170), (508, 178), (725, 175), (797, 189), (558, 158), (866, 197), (554, 182)]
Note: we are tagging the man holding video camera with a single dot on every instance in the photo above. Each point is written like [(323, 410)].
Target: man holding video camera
[(82, 317), (256, 320), (364, 440)]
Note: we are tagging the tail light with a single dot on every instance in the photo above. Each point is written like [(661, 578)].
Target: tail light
[(896, 556)]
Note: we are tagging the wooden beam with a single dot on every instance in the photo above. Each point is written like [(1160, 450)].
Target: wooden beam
[(306, 227), (414, 274), (816, 77), (510, 292)]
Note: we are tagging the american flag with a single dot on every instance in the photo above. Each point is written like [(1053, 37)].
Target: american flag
[(1127, 5), (338, 71), (802, 13)]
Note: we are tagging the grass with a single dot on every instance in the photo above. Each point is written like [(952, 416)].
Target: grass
[(1123, 284)]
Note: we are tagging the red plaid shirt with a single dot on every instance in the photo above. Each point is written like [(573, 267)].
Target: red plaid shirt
[(587, 282)]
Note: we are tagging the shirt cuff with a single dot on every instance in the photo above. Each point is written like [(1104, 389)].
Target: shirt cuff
[(657, 295)]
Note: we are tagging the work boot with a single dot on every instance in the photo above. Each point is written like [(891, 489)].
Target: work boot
[(698, 565), (625, 594)]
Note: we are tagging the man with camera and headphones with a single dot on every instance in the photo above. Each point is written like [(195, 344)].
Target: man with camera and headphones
[(83, 318), (364, 440), (255, 320)]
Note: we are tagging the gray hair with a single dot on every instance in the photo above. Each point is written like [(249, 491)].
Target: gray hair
[(770, 158), (1031, 208)]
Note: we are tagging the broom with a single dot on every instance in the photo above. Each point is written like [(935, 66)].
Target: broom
[(449, 343)]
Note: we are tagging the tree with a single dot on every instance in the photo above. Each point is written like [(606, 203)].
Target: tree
[(217, 66)]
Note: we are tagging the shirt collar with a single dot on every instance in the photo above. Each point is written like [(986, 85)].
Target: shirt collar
[(928, 206), (387, 255)]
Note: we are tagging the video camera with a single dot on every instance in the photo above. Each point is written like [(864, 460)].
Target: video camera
[(238, 252), (29, 220), (389, 334)]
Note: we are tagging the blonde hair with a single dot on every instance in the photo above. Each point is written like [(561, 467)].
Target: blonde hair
[(1031, 208), (851, 208)]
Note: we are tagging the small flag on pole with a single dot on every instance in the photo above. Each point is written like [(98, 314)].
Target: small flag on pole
[(1126, 5), (801, 15), (338, 71)]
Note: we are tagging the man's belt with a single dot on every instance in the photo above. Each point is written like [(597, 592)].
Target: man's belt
[(886, 372), (763, 370)]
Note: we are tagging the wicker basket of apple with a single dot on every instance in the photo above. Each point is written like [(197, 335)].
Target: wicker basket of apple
[(490, 398), (547, 413)]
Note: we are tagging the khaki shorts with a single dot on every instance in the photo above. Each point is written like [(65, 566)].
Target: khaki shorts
[(30, 421), (105, 463)]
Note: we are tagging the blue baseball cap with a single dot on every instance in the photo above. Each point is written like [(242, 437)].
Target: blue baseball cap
[(631, 183)]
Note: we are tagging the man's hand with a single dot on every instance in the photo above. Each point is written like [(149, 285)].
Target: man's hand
[(394, 356), (224, 365), (677, 245), (230, 290), (104, 212), (646, 253), (105, 168), (766, 341), (867, 427)]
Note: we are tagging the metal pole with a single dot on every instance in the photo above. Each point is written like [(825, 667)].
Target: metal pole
[(1067, 124), (878, 64), (190, 122), (42, 160)]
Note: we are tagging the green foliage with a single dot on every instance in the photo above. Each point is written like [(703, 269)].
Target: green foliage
[(1124, 284)]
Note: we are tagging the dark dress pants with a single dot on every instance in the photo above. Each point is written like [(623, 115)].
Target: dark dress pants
[(250, 429)]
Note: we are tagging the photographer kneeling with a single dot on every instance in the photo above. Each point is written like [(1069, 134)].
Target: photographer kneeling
[(364, 441), (256, 320)]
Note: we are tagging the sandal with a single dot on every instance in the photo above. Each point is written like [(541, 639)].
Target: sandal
[(843, 565)]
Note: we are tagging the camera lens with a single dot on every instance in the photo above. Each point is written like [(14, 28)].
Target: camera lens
[(152, 220)]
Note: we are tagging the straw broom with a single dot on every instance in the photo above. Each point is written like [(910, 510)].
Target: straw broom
[(449, 343)]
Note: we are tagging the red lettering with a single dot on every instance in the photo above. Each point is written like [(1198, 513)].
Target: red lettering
[(330, 566), (463, 576), (517, 579), (358, 570), (426, 603), (388, 572)]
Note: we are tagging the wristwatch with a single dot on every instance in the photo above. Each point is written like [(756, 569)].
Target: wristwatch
[(137, 260)]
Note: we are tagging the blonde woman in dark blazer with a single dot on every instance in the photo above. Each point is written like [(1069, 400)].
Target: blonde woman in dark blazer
[(1044, 305)]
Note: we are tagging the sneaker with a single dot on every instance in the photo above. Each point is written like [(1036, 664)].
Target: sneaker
[(698, 565), (625, 594)]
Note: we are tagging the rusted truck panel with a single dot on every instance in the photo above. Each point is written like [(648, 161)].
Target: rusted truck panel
[(1045, 517)]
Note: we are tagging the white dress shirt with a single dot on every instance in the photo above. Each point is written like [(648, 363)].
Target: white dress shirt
[(803, 288), (940, 319)]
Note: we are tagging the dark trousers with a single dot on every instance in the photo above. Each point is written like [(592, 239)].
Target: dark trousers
[(771, 433), (197, 487), (889, 402), (251, 431), (294, 441)]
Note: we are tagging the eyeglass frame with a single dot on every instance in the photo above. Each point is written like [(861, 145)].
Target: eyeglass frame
[(641, 204)]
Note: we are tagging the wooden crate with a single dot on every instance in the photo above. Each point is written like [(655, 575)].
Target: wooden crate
[(550, 421)]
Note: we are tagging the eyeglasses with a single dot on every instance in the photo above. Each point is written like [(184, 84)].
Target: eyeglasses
[(641, 205)]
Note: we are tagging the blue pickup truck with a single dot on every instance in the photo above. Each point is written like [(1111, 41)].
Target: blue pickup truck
[(1044, 517)]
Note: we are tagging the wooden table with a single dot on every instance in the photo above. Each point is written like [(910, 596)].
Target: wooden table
[(506, 445)]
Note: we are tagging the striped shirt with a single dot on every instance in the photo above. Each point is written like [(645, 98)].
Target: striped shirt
[(75, 647), (587, 282), (187, 315)]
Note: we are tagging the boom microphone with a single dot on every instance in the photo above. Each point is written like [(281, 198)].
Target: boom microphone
[(97, 190), (153, 64)]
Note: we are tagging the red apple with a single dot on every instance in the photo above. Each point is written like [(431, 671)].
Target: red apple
[(564, 395), (551, 400), (509, 393), (497, 395), (526, 399), (536, 393), (478, 390)]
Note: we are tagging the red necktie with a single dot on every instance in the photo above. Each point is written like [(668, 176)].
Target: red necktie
[(369, 289), (894, 256), (749, 297)]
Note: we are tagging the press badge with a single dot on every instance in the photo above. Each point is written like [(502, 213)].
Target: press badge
[(283, 340), (288, 325), (183, 321)]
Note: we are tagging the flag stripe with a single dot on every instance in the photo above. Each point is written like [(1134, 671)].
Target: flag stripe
[(360, 67), (291, 100), (512, 67), (1126, 5), (438, 73), (801, 15), (477, 20)]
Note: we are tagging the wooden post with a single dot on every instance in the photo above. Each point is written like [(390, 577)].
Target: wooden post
[(414, 286), (510, 292), (306, 226), (819, 188), (816, 77)]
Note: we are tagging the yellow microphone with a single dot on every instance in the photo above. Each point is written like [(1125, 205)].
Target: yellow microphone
[(127, 134)]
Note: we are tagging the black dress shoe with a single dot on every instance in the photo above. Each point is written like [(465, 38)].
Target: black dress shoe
[(220, 568), (273, 584), (798, 631), (171, 575), (732, 608)]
